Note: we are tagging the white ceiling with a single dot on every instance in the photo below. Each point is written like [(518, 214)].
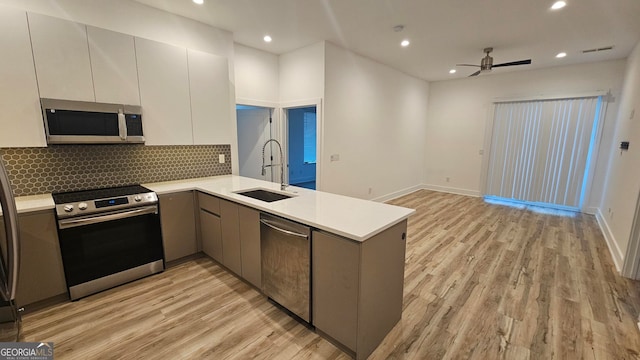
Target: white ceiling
[(442, 33)]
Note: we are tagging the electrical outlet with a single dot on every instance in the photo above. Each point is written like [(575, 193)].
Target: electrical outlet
[(221, 158), (448, 179), (370, 190), (481, 152)]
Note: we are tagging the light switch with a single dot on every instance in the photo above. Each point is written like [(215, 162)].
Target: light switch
[(221, 158), (335, 157)]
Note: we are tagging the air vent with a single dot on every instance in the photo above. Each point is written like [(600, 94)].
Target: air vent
[(606, 48)]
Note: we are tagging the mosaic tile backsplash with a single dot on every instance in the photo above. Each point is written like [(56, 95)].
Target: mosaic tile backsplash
[(79, 167)]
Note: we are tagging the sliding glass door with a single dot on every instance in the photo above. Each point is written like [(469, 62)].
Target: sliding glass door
[(540, 150)]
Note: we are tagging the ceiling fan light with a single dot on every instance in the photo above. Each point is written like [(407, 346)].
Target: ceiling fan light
[(561, 55), (405, 43), (267, 38), (199, 2), (558, 5), (452, 71)]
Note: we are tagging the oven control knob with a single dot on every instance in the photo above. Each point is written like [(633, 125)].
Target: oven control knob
[(137, 198), (68, 208), (83, 206)]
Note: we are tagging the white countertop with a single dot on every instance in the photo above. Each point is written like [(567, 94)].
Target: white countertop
[(353, 218), (33, 203)]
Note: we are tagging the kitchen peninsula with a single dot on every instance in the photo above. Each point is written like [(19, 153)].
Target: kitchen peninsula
[(357, 248), (357, 255)]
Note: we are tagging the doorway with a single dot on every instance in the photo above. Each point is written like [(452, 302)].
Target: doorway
[(302, 146), (254, 129)]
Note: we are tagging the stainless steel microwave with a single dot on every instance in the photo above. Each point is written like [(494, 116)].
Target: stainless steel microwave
[(80, 122)]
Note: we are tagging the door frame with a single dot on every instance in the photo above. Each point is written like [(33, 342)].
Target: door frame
[(631, 263), (284, 133)]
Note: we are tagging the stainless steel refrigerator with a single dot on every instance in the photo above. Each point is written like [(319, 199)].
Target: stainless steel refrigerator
[(9, 261)]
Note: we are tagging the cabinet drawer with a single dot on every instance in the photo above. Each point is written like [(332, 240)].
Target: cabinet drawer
[(209, 203)]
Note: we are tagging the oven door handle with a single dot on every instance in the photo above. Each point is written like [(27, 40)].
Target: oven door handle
[(69, 223)]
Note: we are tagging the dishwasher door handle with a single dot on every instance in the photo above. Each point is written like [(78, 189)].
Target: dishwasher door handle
[(288, 232)]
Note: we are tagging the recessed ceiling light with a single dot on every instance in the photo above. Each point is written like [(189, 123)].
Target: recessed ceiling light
[(199, 2), (452, 71), (558, 5), (405, 43), (561, 55), (267, 38)]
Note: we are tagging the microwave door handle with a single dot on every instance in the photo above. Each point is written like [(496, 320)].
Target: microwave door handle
[(122, 125)]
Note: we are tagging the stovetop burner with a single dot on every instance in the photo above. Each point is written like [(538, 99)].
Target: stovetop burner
[(94, 194)]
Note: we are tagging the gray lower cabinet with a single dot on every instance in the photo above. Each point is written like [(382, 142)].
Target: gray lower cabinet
[(177, 216), (41, 274), (250, 245), (357, 287), (230, 234), (211, 235), (230, 226)]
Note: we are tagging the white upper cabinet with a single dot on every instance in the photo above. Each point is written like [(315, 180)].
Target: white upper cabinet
[(20, 115), (61, 55), (210, 100), (113, 64), (164, 93)]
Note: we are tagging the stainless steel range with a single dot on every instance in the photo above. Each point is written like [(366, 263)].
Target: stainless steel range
[(108, 237)]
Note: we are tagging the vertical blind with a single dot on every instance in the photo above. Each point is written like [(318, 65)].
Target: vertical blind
[(540, 150)]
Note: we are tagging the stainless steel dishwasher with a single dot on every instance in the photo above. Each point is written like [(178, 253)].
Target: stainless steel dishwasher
[(286, 264)]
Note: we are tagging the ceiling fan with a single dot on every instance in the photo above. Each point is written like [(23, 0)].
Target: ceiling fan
[(486, 64)]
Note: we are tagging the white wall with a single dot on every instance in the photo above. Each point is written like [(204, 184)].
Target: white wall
[(460, 109), (374, 119), (253, 132), (623, 184), (256, 74), (302, 73)]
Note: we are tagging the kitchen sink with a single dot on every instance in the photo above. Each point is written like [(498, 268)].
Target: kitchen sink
[(264, 195)]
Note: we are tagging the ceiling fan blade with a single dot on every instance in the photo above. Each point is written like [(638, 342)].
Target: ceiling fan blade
[(467, 65), (475, 73), (521, 62)]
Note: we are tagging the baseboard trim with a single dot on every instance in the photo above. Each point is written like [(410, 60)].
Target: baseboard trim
[(397, 194), (451, 190), (591, 210), (616, 254), (409, 190)]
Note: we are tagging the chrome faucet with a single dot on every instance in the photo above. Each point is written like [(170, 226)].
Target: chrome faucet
[(264, 170)]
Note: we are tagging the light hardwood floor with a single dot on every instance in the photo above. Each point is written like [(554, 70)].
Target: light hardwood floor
[(481, 281)]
